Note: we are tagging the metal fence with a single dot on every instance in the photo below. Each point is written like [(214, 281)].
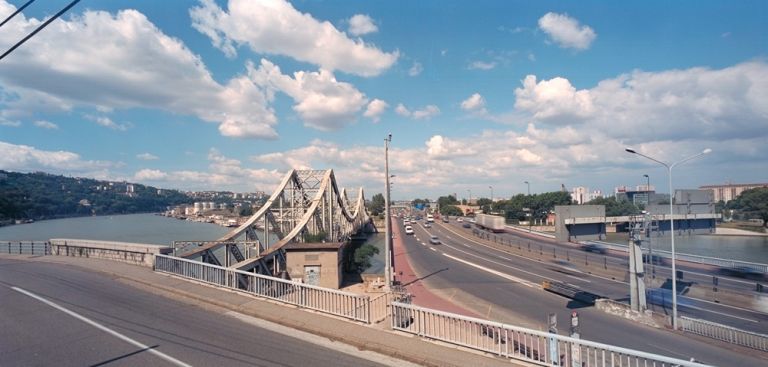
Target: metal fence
[(519, 343), (331, 301), (25, 247), (724, 333)]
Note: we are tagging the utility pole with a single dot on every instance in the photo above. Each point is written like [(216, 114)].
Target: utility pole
[(387, 219)]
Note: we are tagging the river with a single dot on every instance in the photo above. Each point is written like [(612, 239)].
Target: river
[(744, 248)]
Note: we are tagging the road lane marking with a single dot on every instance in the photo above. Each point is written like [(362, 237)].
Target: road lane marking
[(103, 328), (501, 264), (494, 272), (433, 249)]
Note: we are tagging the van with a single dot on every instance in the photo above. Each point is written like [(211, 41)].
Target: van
[(430, 218)]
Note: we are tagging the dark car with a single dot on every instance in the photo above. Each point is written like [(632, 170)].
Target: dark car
[(596, 248), (742, 272), (466, 225)]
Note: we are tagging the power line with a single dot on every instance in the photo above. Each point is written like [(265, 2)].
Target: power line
[(40, 28), (16, 12)]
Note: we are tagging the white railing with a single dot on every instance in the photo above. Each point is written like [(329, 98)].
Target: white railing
[(348, 305), (724, 333), (519, 343)]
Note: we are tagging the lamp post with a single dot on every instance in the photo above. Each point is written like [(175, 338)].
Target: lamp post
[(387, 219), (671, 222), (530, 217), (648, 234), (469, 201), (490, 207)]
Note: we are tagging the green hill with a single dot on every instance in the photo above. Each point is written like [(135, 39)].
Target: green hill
[(44, 196)]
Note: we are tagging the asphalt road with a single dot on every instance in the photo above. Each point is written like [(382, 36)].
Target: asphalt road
[(459, 270), (111, 323)]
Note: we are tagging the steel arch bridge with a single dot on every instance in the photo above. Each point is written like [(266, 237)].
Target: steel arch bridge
[(307, 206)]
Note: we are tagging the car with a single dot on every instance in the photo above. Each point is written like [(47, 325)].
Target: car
[(434, 240), (594, 247), (459, 219), (427, 225), (408, 230), (745, 272), (445, 219), (466, 225), (406, 222)]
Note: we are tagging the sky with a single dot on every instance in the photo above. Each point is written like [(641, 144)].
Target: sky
[(478, 95)]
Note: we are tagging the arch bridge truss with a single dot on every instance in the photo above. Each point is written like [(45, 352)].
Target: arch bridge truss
[(307, 206)]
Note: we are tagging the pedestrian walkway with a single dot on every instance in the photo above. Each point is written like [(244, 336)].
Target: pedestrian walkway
[(398, 345)]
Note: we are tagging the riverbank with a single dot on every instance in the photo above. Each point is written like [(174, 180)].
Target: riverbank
[(720, 231)]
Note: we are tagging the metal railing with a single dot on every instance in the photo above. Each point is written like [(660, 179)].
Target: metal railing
[(725, 333), (519, 343), (348, 305), (25, 247)]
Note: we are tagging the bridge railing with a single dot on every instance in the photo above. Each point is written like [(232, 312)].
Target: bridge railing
[(725, 333), (25, 247), (344, 304), (519, 343)]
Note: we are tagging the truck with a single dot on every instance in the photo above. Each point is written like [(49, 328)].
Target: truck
[(493, 223), (430, 218)]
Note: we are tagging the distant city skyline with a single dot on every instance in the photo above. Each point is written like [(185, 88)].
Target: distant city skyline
[(230, 95)]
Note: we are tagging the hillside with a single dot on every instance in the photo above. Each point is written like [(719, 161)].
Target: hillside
[(43, 196)]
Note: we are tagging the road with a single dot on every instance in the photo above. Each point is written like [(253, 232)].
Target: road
[(58, 315), (506, 288)]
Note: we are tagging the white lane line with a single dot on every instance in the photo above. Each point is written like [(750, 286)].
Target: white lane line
[(494, 272), (321, 341), (502, 264), (717, 312), (102, 328), (433, 249)]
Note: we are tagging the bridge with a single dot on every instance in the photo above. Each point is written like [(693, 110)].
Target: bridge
[(307, 206)]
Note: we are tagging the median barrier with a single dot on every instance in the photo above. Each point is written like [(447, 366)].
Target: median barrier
[(134, 253)]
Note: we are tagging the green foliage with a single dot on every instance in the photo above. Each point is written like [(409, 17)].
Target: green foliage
[(450, 210), (445, 201), (44, 196), (537, 205), (314, 238), (417, 202), (246, 211), (753, 202), (484, 204), (376, 205), (361, 260), (615, 208)]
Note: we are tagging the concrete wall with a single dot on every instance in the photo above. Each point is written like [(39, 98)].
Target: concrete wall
[(135, 253), (579, 232), (329, 261)]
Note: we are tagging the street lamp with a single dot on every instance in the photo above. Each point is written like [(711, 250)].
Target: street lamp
[(530, 215), (387, 219), (490, 207), (648, 234), (469, 202), (671, 222)]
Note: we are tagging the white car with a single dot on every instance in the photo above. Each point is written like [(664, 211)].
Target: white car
[(459, 219), (408, 230), (434, 240)]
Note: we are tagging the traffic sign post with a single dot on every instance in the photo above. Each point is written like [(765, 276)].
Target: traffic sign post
[(554, 352), (575, 333)]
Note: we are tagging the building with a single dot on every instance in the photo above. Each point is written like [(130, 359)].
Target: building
[(641, 194), (730, 191), (582, 195)]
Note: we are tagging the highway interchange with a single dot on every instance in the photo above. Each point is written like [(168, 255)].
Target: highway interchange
[(506, 287)]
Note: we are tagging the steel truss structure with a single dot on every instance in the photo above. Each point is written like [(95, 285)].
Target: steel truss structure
[(307, 206)]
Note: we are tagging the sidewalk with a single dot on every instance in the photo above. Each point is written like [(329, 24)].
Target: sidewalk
[(395, 344)]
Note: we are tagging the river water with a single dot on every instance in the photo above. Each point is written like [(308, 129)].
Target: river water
[(744, 248)]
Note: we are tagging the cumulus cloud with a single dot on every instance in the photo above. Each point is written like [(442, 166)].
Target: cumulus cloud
[(26, 158), (150, 175), (321, 101), (482, 65), (45, 125), (550, 99), (121, 61), (425, 113), (147, 157), (475, 103), (276, 27), (360, 24), (439, 147), (375, 109), (416, 69), (566, 31)]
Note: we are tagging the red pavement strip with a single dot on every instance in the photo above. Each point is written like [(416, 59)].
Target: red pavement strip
[(422, 296)]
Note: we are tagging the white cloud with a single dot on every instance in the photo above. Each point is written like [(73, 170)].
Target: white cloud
[(150, 175), (45, 124), (147, 157), (566, 31), (554, 98), (375, 109), (9, 123), (108, 123), (475, 103), (481, 65), (276, 27), (439, 147), (122, 61), (321, 101), (26, 159), (416, 69), (425, 113), (360, 24)]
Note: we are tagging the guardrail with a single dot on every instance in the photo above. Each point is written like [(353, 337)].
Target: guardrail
[(519, 343), (25, 248), (348, 305), (725, 333), (723, 263)]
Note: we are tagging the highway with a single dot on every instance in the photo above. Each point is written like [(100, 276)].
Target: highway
[(58, 315), (506, 288)]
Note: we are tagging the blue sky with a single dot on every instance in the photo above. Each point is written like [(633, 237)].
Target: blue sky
[(229, 95)]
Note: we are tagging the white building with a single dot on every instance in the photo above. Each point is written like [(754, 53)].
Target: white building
[(582, 194)]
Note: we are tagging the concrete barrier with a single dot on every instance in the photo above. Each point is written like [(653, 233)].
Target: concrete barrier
[(134, 253)]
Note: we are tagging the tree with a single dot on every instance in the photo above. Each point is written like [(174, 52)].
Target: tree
[(615, 208), (362, 257), (446, 200), (246, 211), (753, 201), (376, 206), (450, 210)]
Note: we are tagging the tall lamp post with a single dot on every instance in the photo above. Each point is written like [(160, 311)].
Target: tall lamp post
[(490, 207), (671, 222), (648, 234), (387, 219), (469, 202), (530, 215)]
